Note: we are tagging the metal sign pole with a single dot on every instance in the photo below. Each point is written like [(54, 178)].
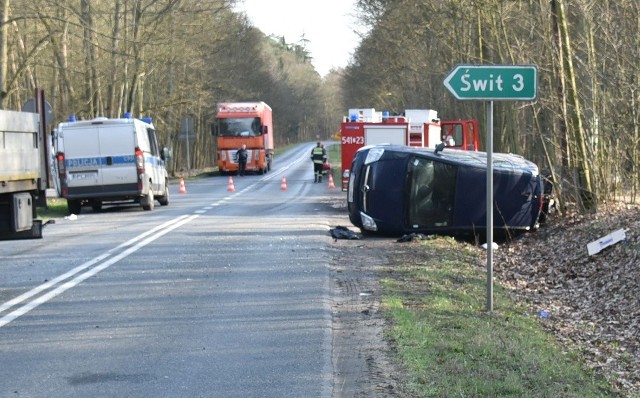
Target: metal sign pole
[(489, 83), (490, 207)]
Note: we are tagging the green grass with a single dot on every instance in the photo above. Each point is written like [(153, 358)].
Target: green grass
[(452, 347), (56, 208)]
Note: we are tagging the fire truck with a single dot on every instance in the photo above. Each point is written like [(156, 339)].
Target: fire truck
[(248, 123), (415, 128)]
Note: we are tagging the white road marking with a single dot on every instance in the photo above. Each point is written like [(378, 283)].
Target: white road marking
[(148, 236), (151, 236)]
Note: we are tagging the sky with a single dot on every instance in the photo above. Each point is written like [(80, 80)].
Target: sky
[(328, 25)]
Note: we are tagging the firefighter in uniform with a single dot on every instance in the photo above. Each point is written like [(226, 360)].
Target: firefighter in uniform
[(319, 158)]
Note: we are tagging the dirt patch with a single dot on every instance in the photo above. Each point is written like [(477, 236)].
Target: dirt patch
[(362, 357)]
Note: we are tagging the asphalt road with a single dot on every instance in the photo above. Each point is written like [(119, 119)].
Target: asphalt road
[(219, 294)]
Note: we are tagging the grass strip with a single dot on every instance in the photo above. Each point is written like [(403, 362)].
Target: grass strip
[(452, 347), (56, 208)]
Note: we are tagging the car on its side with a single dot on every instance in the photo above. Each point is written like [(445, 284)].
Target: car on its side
[(397, 190)]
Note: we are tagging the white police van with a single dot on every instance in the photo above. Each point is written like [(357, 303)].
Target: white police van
[(110, 160)]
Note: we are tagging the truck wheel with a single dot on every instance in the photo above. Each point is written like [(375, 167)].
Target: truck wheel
[(96, 205), (74, 206), (164, 199), (148, 202)]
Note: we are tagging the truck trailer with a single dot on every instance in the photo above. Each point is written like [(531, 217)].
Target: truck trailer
[(23, 174)]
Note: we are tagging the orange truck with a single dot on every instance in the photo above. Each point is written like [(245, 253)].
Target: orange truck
[(248, 123), (416, 128)]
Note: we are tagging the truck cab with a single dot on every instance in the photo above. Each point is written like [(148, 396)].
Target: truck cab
[(248, 123)]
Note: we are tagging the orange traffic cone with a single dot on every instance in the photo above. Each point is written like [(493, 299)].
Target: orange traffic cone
[(230, 187), (283, 186), (331, 184), (182, 189)]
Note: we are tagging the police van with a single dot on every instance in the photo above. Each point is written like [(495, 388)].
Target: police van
[(110, 160)]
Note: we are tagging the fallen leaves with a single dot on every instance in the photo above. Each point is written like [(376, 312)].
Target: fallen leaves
[(592, 301)]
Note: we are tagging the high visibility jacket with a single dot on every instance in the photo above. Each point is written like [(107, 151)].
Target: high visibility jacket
[(319, 155)]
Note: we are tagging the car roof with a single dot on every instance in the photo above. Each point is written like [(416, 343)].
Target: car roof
[(501, 161)]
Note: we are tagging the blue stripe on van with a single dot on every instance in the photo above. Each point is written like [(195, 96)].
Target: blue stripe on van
[(99, 161), (154, 161)]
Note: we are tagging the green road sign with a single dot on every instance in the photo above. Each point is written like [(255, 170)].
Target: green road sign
[(493, 82)]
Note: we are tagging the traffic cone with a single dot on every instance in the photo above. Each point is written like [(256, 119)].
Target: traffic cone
[(331, 185), (283, 186), (230, 187), (182, 189)]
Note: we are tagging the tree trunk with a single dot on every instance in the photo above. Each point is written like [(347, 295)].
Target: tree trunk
[(113, 109), (587, 195), (92, 86), (4, 31)]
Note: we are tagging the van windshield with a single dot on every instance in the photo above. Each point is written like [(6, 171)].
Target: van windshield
[(239, 127), (430, 193)]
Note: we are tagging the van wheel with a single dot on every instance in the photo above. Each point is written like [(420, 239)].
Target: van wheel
[(164, 199), (148, 202), (74, 206)]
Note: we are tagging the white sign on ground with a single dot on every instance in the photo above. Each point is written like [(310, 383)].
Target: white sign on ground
[(614, 237)]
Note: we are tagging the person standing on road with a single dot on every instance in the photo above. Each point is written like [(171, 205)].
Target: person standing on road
[(241, 157), (319, 158)]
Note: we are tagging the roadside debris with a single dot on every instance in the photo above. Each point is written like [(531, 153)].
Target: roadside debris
[(614, 237), (415, 236), (341, 232)]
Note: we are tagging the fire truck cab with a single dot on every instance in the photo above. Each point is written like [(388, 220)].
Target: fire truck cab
[(415, 128)]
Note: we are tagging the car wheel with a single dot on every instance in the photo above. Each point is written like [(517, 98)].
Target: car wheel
[(148, 202), (164, 199)]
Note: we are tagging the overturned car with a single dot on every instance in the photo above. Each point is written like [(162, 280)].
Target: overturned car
[(396, 190)]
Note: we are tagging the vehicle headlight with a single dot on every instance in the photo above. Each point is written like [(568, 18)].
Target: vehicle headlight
[(374, 155), (368, 223)]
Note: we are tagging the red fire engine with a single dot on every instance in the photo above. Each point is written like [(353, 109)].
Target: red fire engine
[(417, 127)]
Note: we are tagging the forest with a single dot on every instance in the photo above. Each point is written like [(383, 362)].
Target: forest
[(172, 59)]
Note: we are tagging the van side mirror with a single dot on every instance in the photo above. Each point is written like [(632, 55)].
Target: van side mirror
[(214, 129), (165, 153), (265, 130)]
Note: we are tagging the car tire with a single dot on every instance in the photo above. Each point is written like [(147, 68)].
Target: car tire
[(164, 199), (148, 202)]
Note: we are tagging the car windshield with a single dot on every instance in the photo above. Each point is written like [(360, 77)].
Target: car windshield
[(430, 193), (239, 127)]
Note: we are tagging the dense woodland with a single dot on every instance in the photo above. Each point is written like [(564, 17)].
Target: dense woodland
[(171, 59)]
